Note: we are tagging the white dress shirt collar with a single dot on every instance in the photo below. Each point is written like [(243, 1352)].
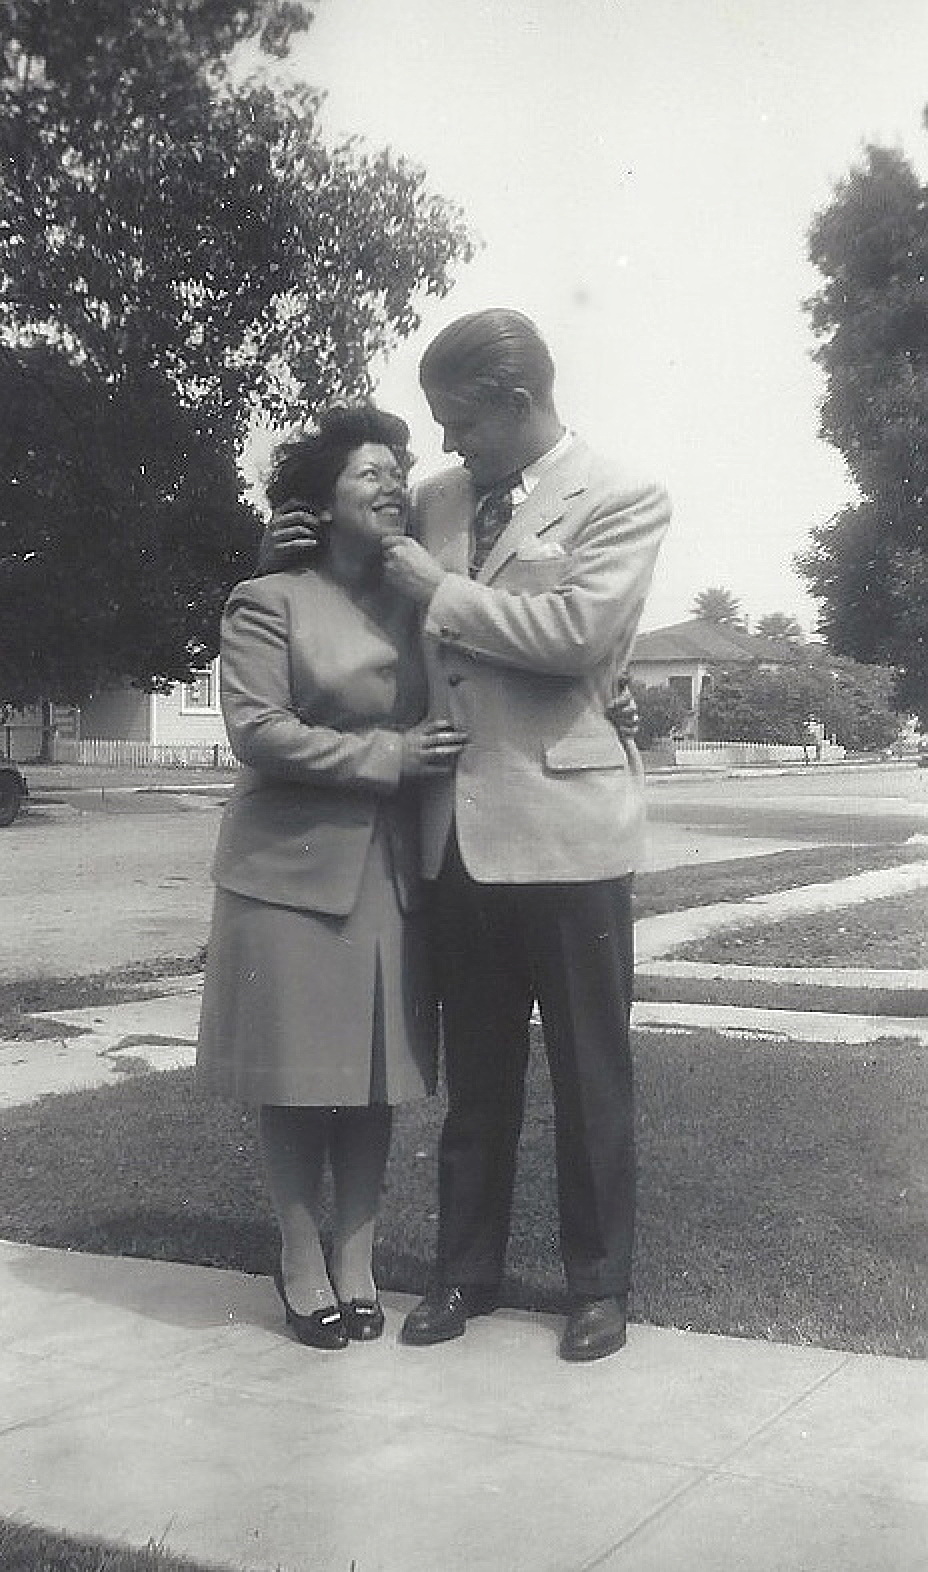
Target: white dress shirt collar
[(534, 472)]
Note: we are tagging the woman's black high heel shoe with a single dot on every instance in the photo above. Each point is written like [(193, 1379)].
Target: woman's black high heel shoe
[(363, 1318), (325, 1328)]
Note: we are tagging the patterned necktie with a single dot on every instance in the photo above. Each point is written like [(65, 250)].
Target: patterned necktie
[(494, 510)]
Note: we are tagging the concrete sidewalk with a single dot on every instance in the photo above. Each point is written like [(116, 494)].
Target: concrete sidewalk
[(146, 1401), (101, 1044)]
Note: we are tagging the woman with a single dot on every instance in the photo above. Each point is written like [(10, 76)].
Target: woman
[(317, 1007)]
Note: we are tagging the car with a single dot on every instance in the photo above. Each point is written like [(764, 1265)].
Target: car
[(13, 789)]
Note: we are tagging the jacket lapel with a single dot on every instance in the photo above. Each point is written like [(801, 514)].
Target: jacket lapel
[(546, 504), (442, 518)]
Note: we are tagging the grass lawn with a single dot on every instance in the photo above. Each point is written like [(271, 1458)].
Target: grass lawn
[(890, 932), (24, 1548), (782, 1188), (702, 884)]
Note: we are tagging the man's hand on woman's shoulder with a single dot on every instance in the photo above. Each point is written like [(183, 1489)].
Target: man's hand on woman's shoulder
[(290, 538)]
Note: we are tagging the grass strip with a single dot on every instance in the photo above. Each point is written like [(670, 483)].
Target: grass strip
[(782, 1188), (21, 999), (27, 1548), (763, 994), (702, 884), (889, 932)]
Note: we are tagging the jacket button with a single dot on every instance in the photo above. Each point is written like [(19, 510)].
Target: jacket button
[(453, 680)]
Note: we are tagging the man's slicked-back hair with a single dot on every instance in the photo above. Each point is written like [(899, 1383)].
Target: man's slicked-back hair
[(490, 352)]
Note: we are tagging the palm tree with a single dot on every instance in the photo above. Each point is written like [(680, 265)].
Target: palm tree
[(718, 605), (778, 625)]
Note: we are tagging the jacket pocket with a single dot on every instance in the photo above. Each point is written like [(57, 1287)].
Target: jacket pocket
[(584, 753)]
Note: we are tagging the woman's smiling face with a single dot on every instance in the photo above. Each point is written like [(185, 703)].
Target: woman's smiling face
[(369, 501)]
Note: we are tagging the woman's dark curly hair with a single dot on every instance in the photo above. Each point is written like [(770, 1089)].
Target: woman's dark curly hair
[(305, 467)]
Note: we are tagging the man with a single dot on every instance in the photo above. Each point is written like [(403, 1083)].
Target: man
[(531, 562)]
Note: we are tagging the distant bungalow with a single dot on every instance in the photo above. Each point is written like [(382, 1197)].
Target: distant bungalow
[(687, 655)]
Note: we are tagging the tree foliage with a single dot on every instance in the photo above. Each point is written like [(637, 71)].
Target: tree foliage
[(123, 525), (756, 704), (751, 705), (661, 711), (176, 253), (718, 605), (779, 625), (869, 565)]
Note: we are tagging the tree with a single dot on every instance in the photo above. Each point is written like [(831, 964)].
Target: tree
[(779, 625), (718, 605), (176, 252), (125, 525), (661, 711), (855, 703), (869, 564), (757, 704), (752, 705)]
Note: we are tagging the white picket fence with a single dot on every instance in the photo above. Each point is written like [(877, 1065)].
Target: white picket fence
[(199, 755), (134, 755), (705, 754)]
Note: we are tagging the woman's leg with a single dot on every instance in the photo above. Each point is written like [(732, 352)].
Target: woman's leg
[(360, 1147), (295, 1142)]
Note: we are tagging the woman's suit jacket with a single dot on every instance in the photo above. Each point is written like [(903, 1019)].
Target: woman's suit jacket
[(317, 688)]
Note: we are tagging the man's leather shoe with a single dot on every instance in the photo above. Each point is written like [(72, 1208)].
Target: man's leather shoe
[(443, 1313), (594, 1329)]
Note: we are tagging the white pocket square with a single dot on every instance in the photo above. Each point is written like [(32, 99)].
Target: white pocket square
[(536, 550)]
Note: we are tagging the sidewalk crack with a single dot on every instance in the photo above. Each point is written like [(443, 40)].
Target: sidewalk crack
[(704, 1473)]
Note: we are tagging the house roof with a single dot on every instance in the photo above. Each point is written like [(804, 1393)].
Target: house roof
[(716, 642)]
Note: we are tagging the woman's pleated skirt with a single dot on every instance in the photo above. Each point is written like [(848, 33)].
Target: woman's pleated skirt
[(304, 1009)]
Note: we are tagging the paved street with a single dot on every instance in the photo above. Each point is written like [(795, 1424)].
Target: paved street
[(92, 882), (824, 804)]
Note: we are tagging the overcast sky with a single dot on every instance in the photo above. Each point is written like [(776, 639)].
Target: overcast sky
[(641, 174)]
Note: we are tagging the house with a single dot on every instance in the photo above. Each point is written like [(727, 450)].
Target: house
[(685, 654), (188, 713), (123, 725), (184, 725)]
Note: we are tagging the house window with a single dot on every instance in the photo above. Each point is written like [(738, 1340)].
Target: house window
[(201, 696), (683, 688)]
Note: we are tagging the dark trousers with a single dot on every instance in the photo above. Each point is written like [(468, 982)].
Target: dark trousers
[(501, 947)]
